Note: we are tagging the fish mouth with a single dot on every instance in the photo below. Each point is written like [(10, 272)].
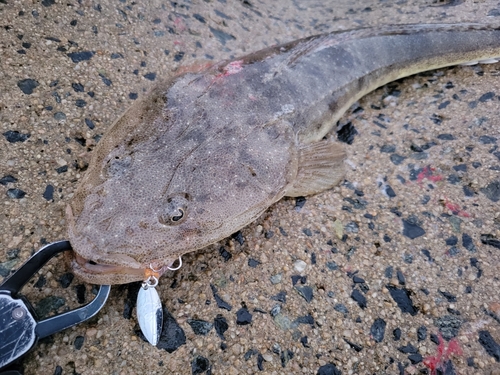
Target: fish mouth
[(108, 274), (107, 268), (102, 268), (105, 273)]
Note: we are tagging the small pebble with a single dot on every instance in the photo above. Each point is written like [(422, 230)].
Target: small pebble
[(299, 265), (243, 317), (397, 334), (78, 343), (306, 292), (27, 85), (276, 279), (377, 329), (15, 193), (200, 327), (357, 296), (172, 335), (221, 326), (199, 365)]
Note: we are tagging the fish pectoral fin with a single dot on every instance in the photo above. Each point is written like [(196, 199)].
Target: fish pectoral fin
[(320, 167)]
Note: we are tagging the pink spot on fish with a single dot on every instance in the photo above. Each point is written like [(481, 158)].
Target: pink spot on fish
[(443, 355), (232, 68)]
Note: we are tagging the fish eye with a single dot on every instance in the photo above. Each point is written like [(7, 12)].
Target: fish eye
[(175, 211), (180, 216)]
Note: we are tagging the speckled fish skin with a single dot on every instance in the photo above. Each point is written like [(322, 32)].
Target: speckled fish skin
[(205, 153)]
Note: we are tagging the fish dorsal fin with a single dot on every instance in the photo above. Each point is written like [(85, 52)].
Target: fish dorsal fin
[(320, 167)]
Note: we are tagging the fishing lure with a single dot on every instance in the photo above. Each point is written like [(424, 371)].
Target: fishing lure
[(149, 307)]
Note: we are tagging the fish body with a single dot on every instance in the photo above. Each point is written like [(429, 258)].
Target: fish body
[(205, 153)]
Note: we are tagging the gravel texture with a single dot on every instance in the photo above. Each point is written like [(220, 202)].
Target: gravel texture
[(393, 272)]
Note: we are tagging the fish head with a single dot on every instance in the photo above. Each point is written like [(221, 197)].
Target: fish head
[(166, 180)]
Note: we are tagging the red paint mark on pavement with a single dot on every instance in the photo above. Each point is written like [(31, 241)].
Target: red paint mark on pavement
[(439, 361), (427, 173), (347, 269), (179, 24), (455, 209)]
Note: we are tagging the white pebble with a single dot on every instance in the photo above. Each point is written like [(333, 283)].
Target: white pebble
[(299, 265), (267, 357)]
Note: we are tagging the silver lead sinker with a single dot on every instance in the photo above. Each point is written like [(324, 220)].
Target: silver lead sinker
[(206, 152)]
